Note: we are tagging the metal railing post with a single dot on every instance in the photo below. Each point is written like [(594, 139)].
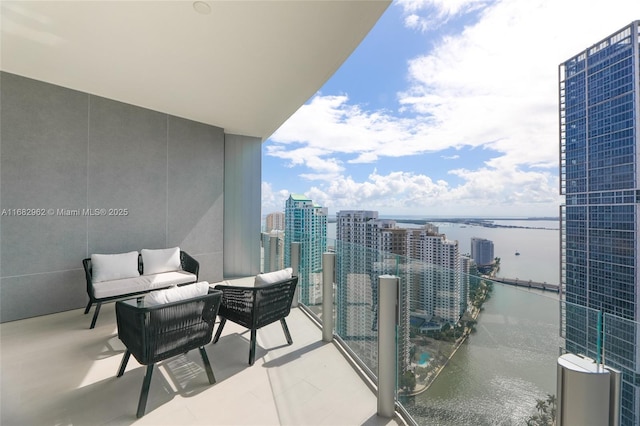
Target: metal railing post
[(387, 326), (295, 264), (328, 274)]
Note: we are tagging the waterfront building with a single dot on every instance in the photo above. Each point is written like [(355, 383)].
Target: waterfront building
[(274, 221), (437, 286), (306, 223), (465, 270), (393, 241), (599, 171), (482, 251), (430, 267), (356, 281)]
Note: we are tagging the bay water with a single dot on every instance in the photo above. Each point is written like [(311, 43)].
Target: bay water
[(496, 376), (537, 241)]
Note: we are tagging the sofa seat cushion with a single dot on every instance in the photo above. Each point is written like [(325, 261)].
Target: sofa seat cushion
[(168, 279), (142, 283), (120, 287)]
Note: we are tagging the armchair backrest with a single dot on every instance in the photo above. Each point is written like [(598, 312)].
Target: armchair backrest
[(255, 307), (273, 301), (155, 333)]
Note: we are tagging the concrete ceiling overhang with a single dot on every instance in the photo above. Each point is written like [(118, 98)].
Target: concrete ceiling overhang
[(245, 66)]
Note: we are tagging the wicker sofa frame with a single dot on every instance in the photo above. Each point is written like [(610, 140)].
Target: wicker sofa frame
[(155, 333), (256, 307), (188, 264)]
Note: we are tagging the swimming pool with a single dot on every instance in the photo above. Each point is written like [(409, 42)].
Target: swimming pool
[(424, 358)]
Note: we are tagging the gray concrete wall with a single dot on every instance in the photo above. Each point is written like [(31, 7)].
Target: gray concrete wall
[(64, 151), (242, 209)]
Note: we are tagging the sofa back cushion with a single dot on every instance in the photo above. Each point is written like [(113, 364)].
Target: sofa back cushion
[(273, 277), (161, 260), (175, 294), (105, 267)]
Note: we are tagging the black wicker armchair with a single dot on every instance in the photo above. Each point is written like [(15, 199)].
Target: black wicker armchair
[(255, 307), (155, 333)]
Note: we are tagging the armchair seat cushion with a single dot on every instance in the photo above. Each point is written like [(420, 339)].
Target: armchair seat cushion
[(175, 294)]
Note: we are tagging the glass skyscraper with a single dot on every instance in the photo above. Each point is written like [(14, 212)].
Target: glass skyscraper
[(305, 222), (599, 175)]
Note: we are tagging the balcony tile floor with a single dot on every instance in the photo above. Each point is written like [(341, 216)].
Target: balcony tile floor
[(55, 371)]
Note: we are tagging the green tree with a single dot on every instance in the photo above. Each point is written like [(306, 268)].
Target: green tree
[(546, 415), (408, 381)]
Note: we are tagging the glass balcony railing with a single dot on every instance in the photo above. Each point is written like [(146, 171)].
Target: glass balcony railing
[(469, 349)]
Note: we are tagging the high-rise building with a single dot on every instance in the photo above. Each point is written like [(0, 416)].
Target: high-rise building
[(306, 223), (356, 282), (432, 279), (274, 222), (599, 175), (482, 251), (273, 250), (437, 286), (465, 270)]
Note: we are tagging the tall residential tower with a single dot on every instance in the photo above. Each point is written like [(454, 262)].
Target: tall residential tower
[(599, 176), (433, 284), (306, 222), (482, 251)]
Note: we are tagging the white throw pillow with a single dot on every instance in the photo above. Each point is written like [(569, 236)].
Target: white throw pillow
[(106, 267), (161, 260), (175, 294), (273, 277)]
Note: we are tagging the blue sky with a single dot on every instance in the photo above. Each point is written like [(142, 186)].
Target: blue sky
[(447, 108)]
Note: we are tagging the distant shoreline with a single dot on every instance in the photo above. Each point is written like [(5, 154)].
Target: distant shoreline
[(487, 223)]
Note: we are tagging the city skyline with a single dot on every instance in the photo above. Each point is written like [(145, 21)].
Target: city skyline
[(430, 116)]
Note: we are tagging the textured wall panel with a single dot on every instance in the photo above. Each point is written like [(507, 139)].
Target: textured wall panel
[(32, 295), (73, 152), (242, 205), (195, 186), (127, 170), (43, 153)]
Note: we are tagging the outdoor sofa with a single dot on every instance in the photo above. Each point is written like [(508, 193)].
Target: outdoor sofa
[(123, 275)]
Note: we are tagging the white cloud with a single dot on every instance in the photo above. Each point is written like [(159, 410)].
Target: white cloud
[(273, 201), (435, 13), (486, 191), (494, 85)]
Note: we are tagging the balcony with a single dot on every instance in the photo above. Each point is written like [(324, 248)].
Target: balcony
[(496, 370), (57, 371)]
